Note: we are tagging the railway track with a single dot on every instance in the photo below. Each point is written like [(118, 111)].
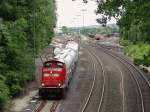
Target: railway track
[(91, 90), (88, 99), (39, 106), (52, 106), (104, 82), (142, 82), (129, 63), (136, 75), (122, 89)]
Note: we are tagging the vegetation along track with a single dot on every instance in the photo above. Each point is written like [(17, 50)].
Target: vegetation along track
[(87, 102), (142, 82)]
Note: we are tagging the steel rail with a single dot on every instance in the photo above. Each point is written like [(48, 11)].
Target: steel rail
[(121, 60), (143, 76), (39, 106), (122, 87), (104, 83), (91, 90), (54, 106), (103, 87)]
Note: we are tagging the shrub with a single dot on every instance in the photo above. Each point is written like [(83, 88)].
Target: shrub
[(4, 94)]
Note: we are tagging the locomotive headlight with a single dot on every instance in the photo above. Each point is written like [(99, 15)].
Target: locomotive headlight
[(56, 75), (46, 75), (59, 84), (43, 84)]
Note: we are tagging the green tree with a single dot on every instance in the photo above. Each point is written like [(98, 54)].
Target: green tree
[(133, 18), (4, 93), (26, 27), (65, 30)]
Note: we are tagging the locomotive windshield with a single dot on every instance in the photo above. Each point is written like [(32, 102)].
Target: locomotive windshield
[(53, 65)]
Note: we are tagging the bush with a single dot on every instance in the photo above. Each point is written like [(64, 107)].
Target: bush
[(4, 94), (124, 42), (137, 61), (146, 60), (140, 53)]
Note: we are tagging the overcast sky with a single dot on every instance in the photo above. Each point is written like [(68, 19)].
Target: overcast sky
[(67, 12)]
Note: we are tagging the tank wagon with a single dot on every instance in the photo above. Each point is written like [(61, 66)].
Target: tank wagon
[(57, 73)]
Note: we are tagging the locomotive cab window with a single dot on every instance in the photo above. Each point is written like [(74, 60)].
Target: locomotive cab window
[(47, 64), (53, 64)]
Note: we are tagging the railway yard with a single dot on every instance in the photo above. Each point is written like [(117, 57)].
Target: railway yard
[(104, 80), (74, 55)]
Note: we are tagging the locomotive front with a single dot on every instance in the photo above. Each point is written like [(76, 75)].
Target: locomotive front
[(53, 78)]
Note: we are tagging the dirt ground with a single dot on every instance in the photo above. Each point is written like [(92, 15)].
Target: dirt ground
[(23, 100)]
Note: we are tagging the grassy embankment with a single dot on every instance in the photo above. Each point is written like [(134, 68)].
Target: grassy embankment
[(140, 52)]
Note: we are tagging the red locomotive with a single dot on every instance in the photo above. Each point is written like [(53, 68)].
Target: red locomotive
[(57, 73)]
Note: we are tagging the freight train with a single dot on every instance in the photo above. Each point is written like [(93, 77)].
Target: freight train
[(57, 73)]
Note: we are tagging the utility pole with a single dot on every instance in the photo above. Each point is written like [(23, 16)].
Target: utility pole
[(78, 25), (34, 28), (83, 10)]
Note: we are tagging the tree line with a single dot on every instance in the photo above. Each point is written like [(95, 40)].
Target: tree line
[(133, 19), (109, 29), (26, 27)]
